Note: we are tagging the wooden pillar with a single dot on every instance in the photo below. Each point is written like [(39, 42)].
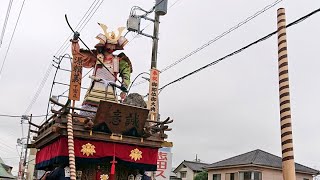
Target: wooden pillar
[(72, 162), (288, 167)]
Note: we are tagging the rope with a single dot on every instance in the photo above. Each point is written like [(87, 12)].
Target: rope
[(72, 162)]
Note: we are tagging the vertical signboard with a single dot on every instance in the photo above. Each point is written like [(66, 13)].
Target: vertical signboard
[(153, 94), (76, 77), (164, 164)]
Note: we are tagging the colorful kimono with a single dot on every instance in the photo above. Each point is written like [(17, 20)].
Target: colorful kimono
[(100, 88)]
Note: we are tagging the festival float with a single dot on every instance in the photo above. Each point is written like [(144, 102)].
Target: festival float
[(111, 135)]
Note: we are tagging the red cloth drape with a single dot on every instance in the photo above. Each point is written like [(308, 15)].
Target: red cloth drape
[(102, 149)]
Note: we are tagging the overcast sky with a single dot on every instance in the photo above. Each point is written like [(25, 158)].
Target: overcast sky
[(222, 111)]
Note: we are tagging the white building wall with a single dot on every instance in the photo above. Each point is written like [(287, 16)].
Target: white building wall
[(267, 174), (189, 176)]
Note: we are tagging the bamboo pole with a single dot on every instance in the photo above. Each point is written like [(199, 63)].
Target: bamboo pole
[(288, 166), (72, 163)]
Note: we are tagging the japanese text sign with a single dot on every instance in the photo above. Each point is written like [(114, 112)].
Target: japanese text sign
[(76, 77), (153, 94), (164, 164), (120, 117)]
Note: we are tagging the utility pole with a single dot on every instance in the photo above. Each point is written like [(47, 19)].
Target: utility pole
[(155, 40), (160, 9), (21, 168), (20, 143), (133, 24), (26, 147)]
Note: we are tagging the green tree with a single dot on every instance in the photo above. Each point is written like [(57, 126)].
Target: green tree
[(201, 176)]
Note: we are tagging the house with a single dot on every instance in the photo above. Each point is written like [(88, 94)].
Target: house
[(173, 176), (187, 170), (255, 165), (5, 171)]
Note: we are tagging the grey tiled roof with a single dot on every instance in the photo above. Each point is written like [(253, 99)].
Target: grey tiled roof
[(195, 166), (3, 171), (259, 157)]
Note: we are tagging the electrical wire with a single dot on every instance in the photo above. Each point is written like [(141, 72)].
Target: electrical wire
[(11, 158), (5, 22), (14, 30), (35, 97), (222, 35), (174, 3), (153, 8), (149, 23), (136, 79), (217, 38), (80, 23), (4, 148), (240, 50), (54, 77), (68, 88), (43, 82), (134, 8), (91, 15), (5, 145), (84, 23), (19, 116)]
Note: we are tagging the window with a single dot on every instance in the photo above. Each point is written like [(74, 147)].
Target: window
[(216, 177), (231, 176), (183, 174), (250, 175)]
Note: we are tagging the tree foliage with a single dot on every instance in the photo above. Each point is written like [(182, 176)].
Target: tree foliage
[(201, 176)]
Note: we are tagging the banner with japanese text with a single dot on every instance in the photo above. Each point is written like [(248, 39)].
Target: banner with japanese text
[(153, 94), (164, 164), (76, 77)]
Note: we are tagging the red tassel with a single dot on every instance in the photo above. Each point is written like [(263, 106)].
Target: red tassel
[(113, 168)]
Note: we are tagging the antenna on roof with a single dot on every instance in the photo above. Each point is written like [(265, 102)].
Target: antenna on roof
[(197, 160)]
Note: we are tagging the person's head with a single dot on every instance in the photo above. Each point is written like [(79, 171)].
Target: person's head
[(110, 48)]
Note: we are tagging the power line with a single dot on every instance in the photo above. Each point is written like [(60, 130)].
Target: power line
[(83, 24), (19, 116), (217, 38), (44, 80), (174, 3), (14, 30), (81, 78), (11, 158), (67, 40), (91, 15), (4, 148), (134, 37), (240, 50), (60, 95), (1, 143), (5, 22), (222, 35)]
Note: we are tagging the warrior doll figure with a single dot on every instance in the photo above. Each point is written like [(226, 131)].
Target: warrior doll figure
[(104, 75)]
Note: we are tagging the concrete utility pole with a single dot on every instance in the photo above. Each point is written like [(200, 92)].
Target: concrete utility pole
[(288, 166), (26, 147), (133, 24), (155, 41), (160, 10), (21, 167)]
